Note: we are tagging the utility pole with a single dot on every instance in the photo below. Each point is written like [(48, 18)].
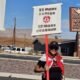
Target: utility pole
[(24, 40), (14, 32)]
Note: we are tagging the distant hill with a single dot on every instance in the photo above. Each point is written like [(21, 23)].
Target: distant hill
[(22, 37), (20, 33)]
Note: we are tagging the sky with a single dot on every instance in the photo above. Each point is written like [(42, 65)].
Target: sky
[(23, 11)]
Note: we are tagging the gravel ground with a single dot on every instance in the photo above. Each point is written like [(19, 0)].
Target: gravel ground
[(27, 67)]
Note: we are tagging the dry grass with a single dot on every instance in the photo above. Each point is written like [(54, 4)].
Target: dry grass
[(21, 42), (18, 41)]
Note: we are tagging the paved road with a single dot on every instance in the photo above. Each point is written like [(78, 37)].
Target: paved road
[(12, 76), (19, 57), (9, 78), (34, 58)]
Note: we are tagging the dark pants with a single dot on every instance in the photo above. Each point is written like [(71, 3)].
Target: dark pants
[(55, 73), (56, 76)]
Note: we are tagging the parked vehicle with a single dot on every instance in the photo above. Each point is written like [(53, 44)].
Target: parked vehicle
[(18, 50)]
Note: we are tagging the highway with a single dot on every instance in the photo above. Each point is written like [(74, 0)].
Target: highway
[(35, 58), (12, 78)]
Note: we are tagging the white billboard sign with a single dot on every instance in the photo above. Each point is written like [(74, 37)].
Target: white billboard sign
[(2, 13), (47, 19)]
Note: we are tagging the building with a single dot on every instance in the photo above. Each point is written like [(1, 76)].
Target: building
[(23, 38), (67, 47)]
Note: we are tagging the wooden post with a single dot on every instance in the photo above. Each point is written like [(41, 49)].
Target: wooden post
[(78, 45)]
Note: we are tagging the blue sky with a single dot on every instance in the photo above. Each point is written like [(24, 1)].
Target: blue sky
[(23, 11)]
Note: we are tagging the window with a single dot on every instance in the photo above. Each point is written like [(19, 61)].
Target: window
[(18, 49), (13, 48), (23, 49)]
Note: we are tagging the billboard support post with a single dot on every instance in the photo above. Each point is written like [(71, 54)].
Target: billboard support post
[(75, 26), (78, 45)]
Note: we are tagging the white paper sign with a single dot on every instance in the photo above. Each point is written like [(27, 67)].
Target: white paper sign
[(47, 19), (2, 13)]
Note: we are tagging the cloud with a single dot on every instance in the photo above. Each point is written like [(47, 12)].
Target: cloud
[(65, 22), (78, 4), (66, 30), (65, 25), (65, 34)]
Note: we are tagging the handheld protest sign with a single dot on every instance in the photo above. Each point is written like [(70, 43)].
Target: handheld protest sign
[(47, 20)]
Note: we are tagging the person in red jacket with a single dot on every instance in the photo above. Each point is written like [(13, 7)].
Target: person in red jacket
[(55, 63)]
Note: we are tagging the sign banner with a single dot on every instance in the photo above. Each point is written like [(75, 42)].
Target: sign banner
[(74, 19), (2, 13), (47, 19)]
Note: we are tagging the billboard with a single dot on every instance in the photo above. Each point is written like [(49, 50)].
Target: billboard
[(2, 13), (74, 19), (47, 19)]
